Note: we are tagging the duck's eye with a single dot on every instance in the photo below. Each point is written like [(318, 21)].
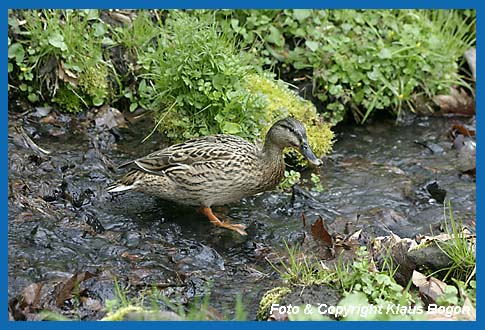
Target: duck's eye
[(289, 128)]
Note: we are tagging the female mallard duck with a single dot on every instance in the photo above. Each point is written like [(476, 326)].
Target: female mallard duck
[(218, 169)]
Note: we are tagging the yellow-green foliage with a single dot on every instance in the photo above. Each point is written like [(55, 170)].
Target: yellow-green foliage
[(93, 82), (282, 102), (120, 314), (271, 297)]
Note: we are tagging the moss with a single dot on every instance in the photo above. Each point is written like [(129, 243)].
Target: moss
[(282, 102), (138, 313), (121, 313), (67, 100), (94, 84), (271, 297)]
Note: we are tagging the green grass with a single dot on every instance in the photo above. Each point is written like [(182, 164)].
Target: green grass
[(297, 268), (151, 301), (358, 280), (361, 283), (459, 249)]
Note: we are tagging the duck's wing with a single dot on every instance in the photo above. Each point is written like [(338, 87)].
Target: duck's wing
[(208, 149)]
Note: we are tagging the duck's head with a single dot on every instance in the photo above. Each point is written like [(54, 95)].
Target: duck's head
[(289, 132)]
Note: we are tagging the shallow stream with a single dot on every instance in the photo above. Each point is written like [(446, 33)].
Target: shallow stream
[(380, 177)]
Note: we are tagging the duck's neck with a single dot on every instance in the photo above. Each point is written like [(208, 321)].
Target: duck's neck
[(272, 152), (273, 166)]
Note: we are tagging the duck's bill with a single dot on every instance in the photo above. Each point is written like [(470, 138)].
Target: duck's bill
[(307, 152)]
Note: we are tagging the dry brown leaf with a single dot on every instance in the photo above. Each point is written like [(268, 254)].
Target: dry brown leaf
[(131, 257), (303, 219), (319, 232), (31, 294), (430, 288), (66, 75), (66, 288), (355, 236), (469, 312), (463, 129)]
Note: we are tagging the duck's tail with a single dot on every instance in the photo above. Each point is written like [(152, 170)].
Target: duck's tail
[(127, 182), (118, 187)]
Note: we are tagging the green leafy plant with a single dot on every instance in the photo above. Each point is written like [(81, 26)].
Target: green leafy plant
[(192, 67), (196, 81), (456, 294), (291, 178), (378, 286), (317, 183), (59, 50), (362, 60)]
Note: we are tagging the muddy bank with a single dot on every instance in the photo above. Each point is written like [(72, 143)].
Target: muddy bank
[(62, 222)]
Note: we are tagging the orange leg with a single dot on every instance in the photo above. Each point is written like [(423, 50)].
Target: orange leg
[(224, 224)]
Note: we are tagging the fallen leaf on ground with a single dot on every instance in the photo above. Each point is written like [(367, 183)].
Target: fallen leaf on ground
[(66, 289), (429, 288), (319, 232)]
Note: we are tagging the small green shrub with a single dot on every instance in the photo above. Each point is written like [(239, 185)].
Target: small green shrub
[(59, 51), (195, 81), (67, 100), (362, 60)]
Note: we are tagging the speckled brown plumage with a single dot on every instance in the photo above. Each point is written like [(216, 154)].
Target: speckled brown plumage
[(216, 170)]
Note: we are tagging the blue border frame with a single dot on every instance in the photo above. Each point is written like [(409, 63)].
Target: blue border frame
[(209, 4), (378, 4)]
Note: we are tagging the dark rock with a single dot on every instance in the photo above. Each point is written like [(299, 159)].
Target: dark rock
[(315, 295), (431, 257), (433, 147), (436, 191)]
